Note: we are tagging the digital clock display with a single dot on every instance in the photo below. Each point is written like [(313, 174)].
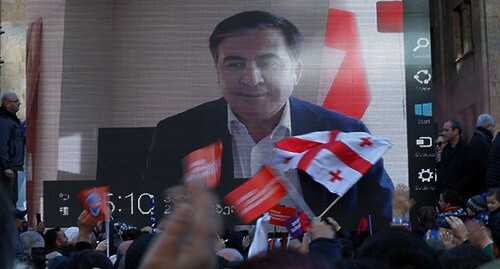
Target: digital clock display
[(129, 201)]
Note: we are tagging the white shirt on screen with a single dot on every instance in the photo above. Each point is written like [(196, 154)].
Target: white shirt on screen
[(248, 156)]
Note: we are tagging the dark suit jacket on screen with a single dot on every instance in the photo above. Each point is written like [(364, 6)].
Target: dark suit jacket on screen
[(177, 136)]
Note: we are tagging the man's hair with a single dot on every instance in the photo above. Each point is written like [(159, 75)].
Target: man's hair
[(252, 21), (50, 237), (484, 120), (6, 97), (456, 125), (427, 217), (399, 248), (32, 239), (495, 192), (452, 197)]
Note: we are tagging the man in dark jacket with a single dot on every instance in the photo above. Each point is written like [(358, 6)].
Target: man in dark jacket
[(11, 145), (452, 170), (257, 59), (479, 147)]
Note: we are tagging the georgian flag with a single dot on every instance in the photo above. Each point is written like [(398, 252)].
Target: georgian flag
[(333, 158)]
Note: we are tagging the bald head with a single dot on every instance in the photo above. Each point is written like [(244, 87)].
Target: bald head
[(11, 102)]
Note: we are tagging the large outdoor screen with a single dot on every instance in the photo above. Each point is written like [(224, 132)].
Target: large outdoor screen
[(123, 66)]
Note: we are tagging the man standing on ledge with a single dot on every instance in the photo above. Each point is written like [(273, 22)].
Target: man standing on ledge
[(257, 59), (11, 145), (452, 172)]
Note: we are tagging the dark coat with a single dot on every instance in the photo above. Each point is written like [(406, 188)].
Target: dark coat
[(11, 141), (479, 147), (179, 135), (452, 171), (493, 171)]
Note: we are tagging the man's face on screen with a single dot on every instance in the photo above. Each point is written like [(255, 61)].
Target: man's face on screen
[(256, 73)]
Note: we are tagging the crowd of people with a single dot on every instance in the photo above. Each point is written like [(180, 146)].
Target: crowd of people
[(446, 236)]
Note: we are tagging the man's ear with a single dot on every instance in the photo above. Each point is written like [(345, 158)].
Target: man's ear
[(298, 71)]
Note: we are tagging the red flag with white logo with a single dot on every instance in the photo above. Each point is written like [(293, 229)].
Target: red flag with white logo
[(94, 200), (333, 158), (257, 195), (203, 165)]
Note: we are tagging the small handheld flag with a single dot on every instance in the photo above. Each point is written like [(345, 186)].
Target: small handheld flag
[(204, 165), (257, 195), (94, 200)]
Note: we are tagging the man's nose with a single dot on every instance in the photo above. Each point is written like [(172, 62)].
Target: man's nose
[(252, 76)]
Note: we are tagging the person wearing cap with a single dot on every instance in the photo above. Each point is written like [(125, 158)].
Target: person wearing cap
[(477, 209), (19, 216)]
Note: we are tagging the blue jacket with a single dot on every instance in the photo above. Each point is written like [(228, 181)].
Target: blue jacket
[(179, 135), (11, 142)]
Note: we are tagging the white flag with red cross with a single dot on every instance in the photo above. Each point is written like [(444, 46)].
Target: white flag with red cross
[(333, 158)]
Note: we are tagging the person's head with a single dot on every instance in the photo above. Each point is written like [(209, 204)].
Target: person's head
[(137, 250), (440, 143), (493, 199), (31, 239), (283, 259), (449, 198), (487, 122), (257, 57), (427, 217), (230, 254), (88, 259), (465, 256), (11, 102), (72, 234), (452, 130), (399, 248), (476, 205), (19, 217), (55, 239)]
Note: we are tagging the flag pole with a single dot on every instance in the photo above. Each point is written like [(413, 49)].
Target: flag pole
[(294, 194), (330, 206)]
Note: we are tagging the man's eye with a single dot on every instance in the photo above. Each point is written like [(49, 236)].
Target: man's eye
[(235, 65), (269, 64)]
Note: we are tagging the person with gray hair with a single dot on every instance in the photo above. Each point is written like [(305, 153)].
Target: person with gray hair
[(32, 239), (11, 145), (486, 121), (479, 148)]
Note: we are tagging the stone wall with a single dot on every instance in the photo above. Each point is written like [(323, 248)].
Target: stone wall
[(13, 71)]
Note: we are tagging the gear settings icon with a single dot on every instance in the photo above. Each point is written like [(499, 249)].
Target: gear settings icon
[(425, 175)]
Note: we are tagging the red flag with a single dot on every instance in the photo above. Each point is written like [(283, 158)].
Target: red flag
[(333, 158), (204, 165), (257, 195), (279, 214), (305, 222), (365, 224), (94, 200)]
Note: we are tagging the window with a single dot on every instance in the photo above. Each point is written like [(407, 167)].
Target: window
[(462, 30)]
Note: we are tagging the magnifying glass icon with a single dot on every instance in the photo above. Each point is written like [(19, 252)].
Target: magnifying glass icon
[(421, 43)]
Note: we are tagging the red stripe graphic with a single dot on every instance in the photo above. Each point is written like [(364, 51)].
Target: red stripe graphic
[(349, 92)]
